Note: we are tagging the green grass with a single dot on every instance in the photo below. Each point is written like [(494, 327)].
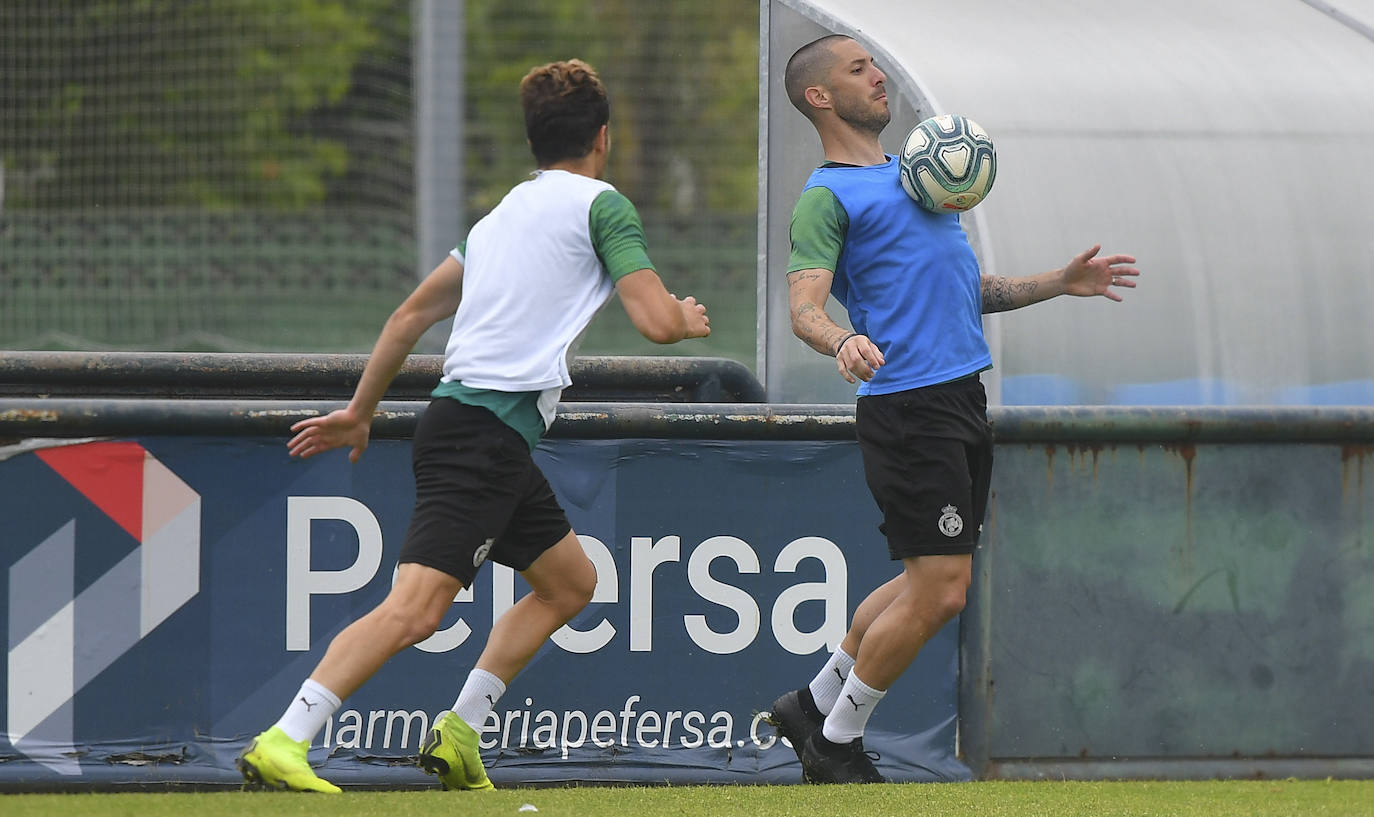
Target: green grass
[(1280, 798)]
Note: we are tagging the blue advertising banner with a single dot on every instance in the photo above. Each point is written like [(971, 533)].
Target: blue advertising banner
[(165, 597)]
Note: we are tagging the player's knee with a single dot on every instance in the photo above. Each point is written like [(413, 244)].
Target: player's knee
[(945, 595), (420, 628), (581, 588), (951, 601), (411, 625), (953, 594), (564, 587), (576, 592)]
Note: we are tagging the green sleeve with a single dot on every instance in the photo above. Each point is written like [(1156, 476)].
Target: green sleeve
[(819, 226), (618, 235)]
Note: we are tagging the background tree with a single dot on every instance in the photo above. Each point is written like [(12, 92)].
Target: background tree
[(183, 174), (684, 95), (159, 102)]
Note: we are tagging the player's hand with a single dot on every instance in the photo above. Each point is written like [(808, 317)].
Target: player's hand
[(858, 357), (694, 315), (1088, 275), (336, 429)]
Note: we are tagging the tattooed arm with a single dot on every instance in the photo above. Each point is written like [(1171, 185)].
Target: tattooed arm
[(807, 291), (1084, 275), (1001, 293), (855, 355)]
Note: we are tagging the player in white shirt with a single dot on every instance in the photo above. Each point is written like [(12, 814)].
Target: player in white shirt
[(524, 285)]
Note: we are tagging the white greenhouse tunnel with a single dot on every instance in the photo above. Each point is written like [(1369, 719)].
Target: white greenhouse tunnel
[(1227, 144)]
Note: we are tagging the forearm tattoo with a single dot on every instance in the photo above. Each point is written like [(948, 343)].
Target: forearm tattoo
[(1001, 293), (809, 321)]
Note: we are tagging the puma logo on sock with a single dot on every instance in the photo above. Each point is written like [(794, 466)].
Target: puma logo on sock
[(308, 706), (854, 702)]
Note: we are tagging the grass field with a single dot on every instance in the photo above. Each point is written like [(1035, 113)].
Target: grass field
[(1279, 798)]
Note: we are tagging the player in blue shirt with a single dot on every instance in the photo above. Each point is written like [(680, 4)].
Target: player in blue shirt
[(915, 296)]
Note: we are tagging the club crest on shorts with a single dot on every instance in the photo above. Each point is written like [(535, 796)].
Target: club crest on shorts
[(951, 524), (480, 554)]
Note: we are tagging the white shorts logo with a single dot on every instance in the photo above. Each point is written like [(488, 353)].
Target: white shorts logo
[(951, 524), (480, 554)]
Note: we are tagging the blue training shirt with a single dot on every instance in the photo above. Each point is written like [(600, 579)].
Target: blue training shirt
[(908, 277)]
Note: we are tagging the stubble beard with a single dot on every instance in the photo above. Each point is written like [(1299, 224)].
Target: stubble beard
[(864, 118)]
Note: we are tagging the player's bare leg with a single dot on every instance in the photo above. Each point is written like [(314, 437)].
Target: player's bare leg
[(410, 613), (869, 609), (561, 582), (930, 592)]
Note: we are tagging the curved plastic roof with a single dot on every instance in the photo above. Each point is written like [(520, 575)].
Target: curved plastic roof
[(1228, 144)]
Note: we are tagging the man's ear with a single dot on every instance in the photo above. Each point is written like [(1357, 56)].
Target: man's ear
[(818, 97)]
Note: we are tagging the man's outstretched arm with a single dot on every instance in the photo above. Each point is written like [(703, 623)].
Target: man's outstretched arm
[(1084, 275)]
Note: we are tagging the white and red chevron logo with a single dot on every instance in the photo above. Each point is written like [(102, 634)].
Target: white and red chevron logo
[(59, 640)]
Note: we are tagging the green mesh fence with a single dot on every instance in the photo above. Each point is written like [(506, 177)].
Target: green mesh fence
[(238, 175), (145, 278)]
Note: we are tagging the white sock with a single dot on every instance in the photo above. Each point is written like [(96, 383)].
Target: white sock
[(849, 716), (826, 686), (308, 712), (478, 697)]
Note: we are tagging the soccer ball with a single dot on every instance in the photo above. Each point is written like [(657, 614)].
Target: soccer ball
[(948, 163)]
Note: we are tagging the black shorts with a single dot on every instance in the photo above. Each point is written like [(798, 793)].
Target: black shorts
[(478, 494), (927, 456)]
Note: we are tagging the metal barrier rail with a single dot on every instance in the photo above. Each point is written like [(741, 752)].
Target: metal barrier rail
[(322, 377), (1074, 425)]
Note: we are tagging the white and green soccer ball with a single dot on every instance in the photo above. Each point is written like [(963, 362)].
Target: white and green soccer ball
[(948, 163)]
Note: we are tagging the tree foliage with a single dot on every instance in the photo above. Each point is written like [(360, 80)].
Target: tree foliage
[(182, 167), (220, 102), (175, 102), (683, 84)]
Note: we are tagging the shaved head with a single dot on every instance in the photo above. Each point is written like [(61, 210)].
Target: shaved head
[(809, 66)]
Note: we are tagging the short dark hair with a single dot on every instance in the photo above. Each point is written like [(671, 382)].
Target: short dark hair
[(808, 66), (565, 105)]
